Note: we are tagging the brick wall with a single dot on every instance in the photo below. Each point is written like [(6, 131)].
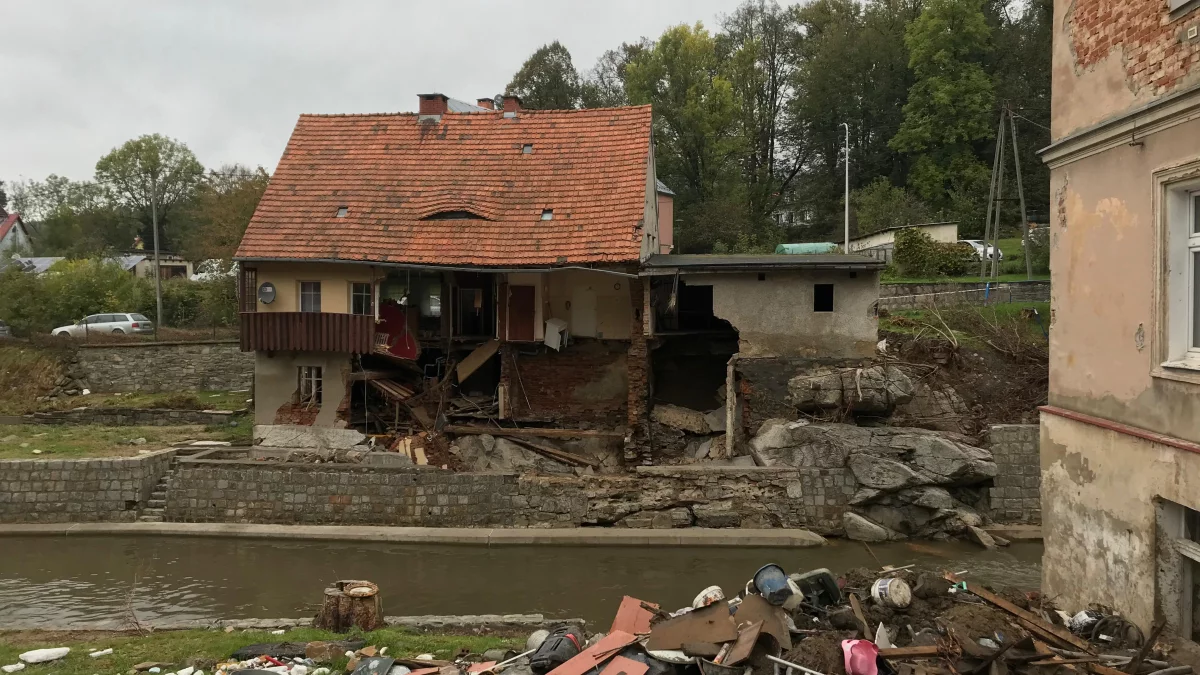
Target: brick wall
[(1017, 494), (166, 366), (586, 381), (894, 297), (148, 417), (1155, 51), (206, 490), (79, 490)]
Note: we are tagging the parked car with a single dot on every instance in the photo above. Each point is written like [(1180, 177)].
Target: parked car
[(979, 248), (4, 331), (106, 323)]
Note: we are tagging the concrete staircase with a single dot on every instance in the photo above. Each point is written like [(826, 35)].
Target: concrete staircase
[(156, 506)]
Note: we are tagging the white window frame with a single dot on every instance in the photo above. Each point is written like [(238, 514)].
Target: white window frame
[(300, 296), (310, 384), (1172, 339), (1185, 550), (370, 297)]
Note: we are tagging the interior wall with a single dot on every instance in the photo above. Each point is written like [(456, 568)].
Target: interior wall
[(276, 380), (594, 304)]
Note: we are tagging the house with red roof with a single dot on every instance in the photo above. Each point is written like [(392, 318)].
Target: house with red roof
[(497, 247), (14, 236)]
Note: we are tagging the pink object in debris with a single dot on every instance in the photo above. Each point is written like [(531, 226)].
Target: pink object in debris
[(859, 656)]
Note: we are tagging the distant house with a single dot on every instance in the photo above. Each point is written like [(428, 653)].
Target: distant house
[(13, 233), (139, 265), (881, 243)]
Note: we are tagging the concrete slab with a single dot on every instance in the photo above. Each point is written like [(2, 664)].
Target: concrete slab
[(789, 538), (1015, 532)]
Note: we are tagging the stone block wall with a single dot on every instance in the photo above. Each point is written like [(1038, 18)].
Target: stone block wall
[(204, 490), (79, 490), (166, 366), (893, 297), (149, 417), (1016, 496)]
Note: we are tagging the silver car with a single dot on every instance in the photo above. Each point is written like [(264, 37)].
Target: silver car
[(106, 323), (980, 247)]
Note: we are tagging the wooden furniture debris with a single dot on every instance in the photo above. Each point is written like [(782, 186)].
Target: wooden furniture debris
[(554, 453), (350, 604), (632, 617), (927, 651), (467, 429), (708, 624), (586, 660)]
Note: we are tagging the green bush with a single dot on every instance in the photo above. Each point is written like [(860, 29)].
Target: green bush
[(1040, 246), (917, 255)]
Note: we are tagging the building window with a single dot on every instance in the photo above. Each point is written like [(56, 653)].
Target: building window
[(310, 384), (1182, 211), (310, 296), (249, 290), (361, 299), (1179, 571), (823, 297)]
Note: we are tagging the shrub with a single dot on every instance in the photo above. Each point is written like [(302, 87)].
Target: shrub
[(917, 255), (1039, 244)]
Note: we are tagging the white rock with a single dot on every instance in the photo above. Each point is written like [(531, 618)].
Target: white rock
[(425, 657), (299, 670), (156, 669), (321, 671), (13, 668), (44, 655), (85, 392), (274, 632), (383, 651), (37, 452), (102, 652), (186, 671)]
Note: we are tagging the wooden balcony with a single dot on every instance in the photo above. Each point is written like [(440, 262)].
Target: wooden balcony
[(307, 332)]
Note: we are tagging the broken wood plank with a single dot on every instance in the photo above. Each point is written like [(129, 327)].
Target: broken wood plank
[(856, 607), (709, 624), (1148, 645), (1062, 661), (1030, 620), (598, 653), (756, 608), (633, 617), (926, 651), (369, 375), (545, 432), (747, 637), (555, 453), (476, 358), (624, 666)]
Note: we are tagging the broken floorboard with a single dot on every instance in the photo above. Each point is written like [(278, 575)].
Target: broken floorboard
[(468, 429), (557, 454)]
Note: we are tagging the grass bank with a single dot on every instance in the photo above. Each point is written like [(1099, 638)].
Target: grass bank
[(204, 648), (175, 400), (18, 441), (970, 279)]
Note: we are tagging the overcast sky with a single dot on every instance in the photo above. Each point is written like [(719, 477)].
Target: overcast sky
[(229, 77)]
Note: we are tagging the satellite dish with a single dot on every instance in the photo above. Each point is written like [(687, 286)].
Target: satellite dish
[(266, 293)]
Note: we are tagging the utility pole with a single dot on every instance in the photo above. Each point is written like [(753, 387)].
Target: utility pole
[(157, 264), (846, 246), (1021, 195), (995, 243), (987, 222)]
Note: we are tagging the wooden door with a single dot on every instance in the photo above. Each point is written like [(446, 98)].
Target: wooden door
[(520, 313)]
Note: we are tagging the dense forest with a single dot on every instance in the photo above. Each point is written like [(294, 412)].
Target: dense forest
[(749, 114)]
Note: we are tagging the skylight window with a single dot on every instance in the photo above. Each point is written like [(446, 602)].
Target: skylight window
[(547, 214), (527, 148), (342, 211)]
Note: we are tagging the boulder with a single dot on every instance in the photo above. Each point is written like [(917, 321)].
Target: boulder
[(298, 436), (938, 407), (716, 514), (875, 389), (882, 473), (678, 417), (859, 528), (487, 453), (980, 537)]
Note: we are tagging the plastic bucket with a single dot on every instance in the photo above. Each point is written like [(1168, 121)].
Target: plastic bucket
[(771, 582), (893, 593)]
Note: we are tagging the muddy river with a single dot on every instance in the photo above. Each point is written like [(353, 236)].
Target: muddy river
[(64, 581)]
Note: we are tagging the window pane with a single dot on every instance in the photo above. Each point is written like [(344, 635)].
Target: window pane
[(1196, 213), (823, 297), (361, 301), (1195, 299), (310, 296)]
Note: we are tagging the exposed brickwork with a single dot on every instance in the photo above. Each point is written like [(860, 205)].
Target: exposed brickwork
[(638, 359), (1154, 49), (1016, 496), (297, 413), (586, 381), (79, 490)]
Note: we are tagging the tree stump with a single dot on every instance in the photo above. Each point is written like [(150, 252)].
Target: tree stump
[(350, 604)]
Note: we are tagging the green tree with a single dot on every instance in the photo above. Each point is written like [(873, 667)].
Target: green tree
[(950, 104), (3, 197), (881, 205), (148, 174), (696, 129), (548, 80), (216, 216), (604, 85)]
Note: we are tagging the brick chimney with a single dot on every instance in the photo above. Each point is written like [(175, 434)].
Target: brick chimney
[(489, 103), (512, 105), (431, 106)]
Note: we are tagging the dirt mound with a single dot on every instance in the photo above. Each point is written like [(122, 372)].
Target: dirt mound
[(822, 653), (974, 621)]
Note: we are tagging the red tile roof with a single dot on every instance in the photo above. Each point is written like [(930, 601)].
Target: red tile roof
[(393, 172), (7, 224)]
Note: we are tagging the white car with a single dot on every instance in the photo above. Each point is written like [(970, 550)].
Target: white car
[(979, 248), (106, 323)]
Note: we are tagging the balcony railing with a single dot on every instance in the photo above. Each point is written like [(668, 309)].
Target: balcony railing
[(307, 331)]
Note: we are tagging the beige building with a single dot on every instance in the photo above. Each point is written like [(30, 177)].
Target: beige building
[(1121, 434)]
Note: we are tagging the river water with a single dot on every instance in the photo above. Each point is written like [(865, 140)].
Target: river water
[(62, 581)]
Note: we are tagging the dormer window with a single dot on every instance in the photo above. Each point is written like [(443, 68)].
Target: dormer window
[(342, 211), (547, 214), (454, 215)]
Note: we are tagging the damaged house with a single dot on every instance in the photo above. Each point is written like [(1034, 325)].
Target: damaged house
[(474, 265)]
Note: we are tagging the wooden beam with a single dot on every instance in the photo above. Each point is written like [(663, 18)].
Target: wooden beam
[(359, 376), (469, 429), (927, 651), (1030, 620)]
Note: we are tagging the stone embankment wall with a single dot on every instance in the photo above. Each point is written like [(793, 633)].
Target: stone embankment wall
[(166, 366), (203, 490), (79, 490), (894, 297), (1016, 496), (149, 417)]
